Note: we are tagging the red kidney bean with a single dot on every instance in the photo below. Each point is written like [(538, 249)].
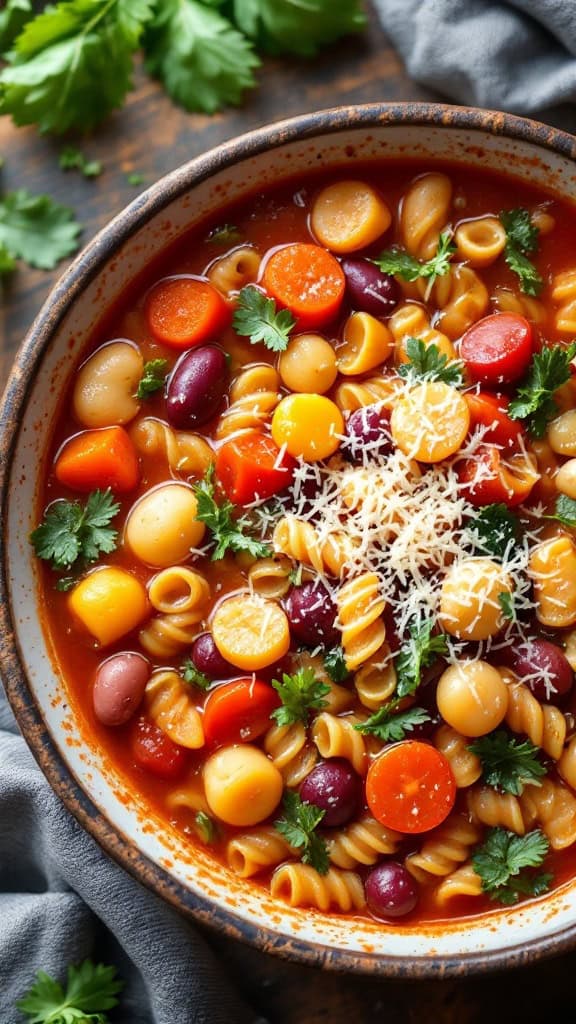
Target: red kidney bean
[(208, 660), (196, 387), (539, 660), (119, 687), (369, 289), (312, 614), (367, 431), (335, 788), (390, 890)]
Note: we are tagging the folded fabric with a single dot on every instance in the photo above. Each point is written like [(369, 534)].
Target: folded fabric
[(515, 55), (62, 900)]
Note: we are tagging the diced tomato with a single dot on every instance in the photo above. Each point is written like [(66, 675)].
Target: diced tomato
[(154, 751), (488, 410), (498, 348), (489, 478), (410, 787), (239, 712), (252, 466)]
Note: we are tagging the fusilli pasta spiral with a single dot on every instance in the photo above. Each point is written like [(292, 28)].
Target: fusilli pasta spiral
[(290, 751), (553, 807), (337, 737), (498, 810), (543, 724), (360, 609), (251, 852), (444, 850), (299, 540), (301, 886), (466, 766), (362, 842), (170, 704), (253, 396), (564, 296), (463, 882)]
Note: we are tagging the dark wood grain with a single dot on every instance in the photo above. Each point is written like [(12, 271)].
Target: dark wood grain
[(152, 137)]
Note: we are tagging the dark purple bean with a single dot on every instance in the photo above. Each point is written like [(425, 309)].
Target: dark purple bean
[(369, 289), (312, 614), (119, 687), (196, 387), (207, 659), (390, 890), (335, 788), (367, 431), (543, 667)]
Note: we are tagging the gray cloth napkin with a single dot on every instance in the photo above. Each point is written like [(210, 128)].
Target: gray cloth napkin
[(515, 55), (62, 900)]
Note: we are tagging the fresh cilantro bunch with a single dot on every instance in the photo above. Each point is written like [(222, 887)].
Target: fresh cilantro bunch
[(72, 534), (548, 371), (427, 362), (257, 318), (70, 66), (90, 990), (391, 725), (501, 862), (228, 533), (521, 238), (495, 530), (298, 828), (35, 229), (401, 264), (508, 764), (300, 694), (417, 653)]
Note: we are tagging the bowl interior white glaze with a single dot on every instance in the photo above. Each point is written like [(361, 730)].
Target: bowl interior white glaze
[(192, 877)]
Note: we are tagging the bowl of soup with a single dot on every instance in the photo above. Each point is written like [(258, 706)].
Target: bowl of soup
[(288, 581)]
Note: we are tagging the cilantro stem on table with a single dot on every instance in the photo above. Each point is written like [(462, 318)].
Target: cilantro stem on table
[(90, 990), (521, 238), (508, 764), (426, 362), (501, 862), (298, 828), (300, 694), (72, 533), (400, 263), (257, 318), (229, 533), (535, 402)]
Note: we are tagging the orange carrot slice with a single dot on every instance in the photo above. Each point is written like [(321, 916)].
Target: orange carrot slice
[(185, 311), (98, 459), (306, 280)]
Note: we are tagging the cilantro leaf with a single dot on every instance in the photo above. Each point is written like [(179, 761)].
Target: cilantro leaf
[(228, 533), (426, 362), (398, 262), (548, 371), (416, 654), (290, 26), (390, 725), (203, 61), (335, 665), (91, 989), (506, 602), (72, 159), (36, 230), (300, 694), (71, 531), (521, 238), (565, 510), (153, 377), (298, 828), (503, 856), (508, 764), (12, 20), (224, 234), (135, 179), (256, 318), (495, 530), (205, 827), (193, 676), (72, 64)]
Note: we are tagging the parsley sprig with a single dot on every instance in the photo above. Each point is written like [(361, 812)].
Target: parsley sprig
[(390, 725), (501, 862), (508, 605), (548, 371), (229, 533), (427, 362), (300, 694), (418, 652), (508, 764), (72, 534), (400, 263), (257, 318), (564, 511), (90, 990), (495, 530), (335, 664), (193, 676), (153, 377), (298, 828), (35, 229), (521, 238)]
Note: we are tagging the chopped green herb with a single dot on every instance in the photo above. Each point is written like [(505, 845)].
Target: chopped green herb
[(298, 828), (295, 575), (224, 234), (390, 725), (256, 317), (13, 17), (72, 159), (501, 862), (134, 178), (65, 583), (153, 378), (565, 511), (426, 362), (91, 989), (229, 533), (193, 676), (398, 262), (495, 530), (71, 532), (205, 827), (300, 694), (521, 238), (508, 764), (548, 371), (35, 229), (506, 602), (335, 665), (417, 653)]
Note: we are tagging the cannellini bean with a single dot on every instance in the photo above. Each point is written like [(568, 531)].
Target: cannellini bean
[(106, 385)]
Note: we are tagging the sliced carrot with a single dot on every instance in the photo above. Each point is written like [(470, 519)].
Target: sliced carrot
[(308, 281), (184, 311), (98, 458), (252, 466), (410, 787)]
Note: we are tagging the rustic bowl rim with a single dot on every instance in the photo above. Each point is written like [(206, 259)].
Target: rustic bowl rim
[(27, 363)]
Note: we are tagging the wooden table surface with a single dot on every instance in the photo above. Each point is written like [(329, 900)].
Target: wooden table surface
[(151, 136)]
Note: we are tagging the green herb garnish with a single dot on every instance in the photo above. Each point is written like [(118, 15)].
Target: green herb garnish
[(426, 362), (390, 725), (35, 229), (335, 665), (417, 653), (90, 990), (501, 862), (229, 533), (72, 159), (205, 827), (257, 318), (300, 694), (548, 371), (153, 378), (495, 530), (298, 828), (193, 676), (71, 532), (521, 238), (401, 264), (508, 764)]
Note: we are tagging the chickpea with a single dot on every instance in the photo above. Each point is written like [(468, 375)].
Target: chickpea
[(469, 599), (472, 697), (565, 479), (308, 364), (106, 385), (162, 527), (562, 433), (242, 785)]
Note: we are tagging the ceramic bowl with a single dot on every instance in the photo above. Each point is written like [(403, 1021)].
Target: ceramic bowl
[(77, 770)]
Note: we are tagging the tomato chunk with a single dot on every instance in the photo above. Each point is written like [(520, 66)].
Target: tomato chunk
[(488, 410), (154, 751), (410, 787), (239, 712), (251, 466), (498, 348), (488, 477)]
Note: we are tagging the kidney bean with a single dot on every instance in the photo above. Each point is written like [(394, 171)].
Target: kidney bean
[(369, 289), (335, 788), (539, 660), (196, 387), (390, 890), (312, 614), (119, 687), (367, 430), (207, 658)]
